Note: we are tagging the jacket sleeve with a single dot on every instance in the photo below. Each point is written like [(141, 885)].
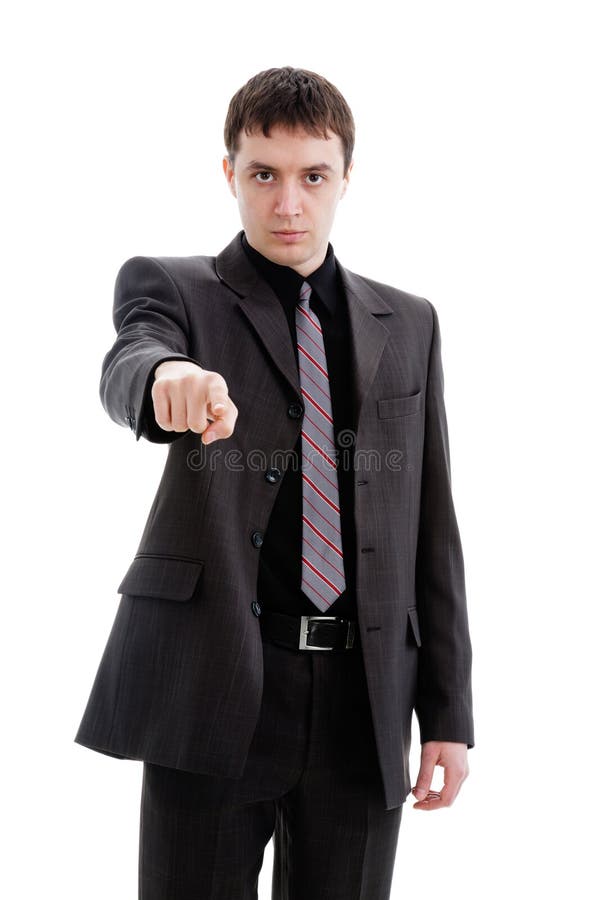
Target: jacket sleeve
[(444, 705), (152, 326)]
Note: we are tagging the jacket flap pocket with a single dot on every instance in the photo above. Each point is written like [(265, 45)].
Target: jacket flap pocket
[(414, 621), (154, 575), (399, 406)]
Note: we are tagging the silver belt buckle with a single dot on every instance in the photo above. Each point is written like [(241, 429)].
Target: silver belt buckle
[(304, 620)]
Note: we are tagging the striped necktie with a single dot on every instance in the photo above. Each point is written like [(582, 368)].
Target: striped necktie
[(323, 577)]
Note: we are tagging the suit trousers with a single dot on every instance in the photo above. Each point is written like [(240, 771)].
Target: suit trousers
[(311, 782)]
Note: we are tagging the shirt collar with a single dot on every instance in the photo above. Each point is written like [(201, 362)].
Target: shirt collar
[(286, 282)]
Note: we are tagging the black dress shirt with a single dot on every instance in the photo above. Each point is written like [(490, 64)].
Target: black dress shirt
[(280, 564)]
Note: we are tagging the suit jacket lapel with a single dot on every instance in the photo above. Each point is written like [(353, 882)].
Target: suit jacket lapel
[(259, 303), (368, 334), (261, 306)]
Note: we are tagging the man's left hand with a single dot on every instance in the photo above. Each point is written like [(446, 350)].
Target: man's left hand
[(452, 757)]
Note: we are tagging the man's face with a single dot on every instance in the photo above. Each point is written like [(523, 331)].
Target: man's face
[(288, 182)]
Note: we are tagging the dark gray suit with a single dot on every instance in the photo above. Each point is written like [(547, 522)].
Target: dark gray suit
[(180, 681)]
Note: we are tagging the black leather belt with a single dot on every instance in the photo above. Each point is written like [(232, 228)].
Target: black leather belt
[(309, 632)]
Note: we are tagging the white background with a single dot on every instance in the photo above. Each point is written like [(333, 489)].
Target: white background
[(476, 185)]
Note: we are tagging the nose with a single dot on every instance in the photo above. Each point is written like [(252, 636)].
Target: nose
[(288, 200)]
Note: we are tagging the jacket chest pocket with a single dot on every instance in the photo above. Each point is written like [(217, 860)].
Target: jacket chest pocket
[(389, 407), (158, 575)]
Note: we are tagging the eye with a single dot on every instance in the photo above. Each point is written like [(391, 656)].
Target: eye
[(260, 179)]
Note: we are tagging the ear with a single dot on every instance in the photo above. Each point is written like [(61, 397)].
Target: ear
[(347, 179), (229, 174)]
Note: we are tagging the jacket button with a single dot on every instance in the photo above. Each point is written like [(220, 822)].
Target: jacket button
[(273, 475), (256, 607), (257, 538), (295, 410)]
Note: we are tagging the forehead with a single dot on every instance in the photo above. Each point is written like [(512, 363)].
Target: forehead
[(287, 148)]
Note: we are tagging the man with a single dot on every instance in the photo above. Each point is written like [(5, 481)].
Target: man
[(298, 588)]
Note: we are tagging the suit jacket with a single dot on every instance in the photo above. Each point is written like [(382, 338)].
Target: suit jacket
[(180, 680)]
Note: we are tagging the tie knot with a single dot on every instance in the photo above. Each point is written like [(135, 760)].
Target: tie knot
[(305, 292)]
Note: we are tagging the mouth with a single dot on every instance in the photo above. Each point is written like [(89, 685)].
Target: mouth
[(289, 236)]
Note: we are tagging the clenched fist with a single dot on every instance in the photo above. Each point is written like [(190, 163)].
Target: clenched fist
[(185, 396)]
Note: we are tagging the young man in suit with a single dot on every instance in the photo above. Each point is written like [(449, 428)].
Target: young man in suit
[(299, 588)]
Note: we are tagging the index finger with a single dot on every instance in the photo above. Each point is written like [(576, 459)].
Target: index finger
[(452, 783), (218, 402)]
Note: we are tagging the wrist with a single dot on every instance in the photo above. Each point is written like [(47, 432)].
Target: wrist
[(175, 366)]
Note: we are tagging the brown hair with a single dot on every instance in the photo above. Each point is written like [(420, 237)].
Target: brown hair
[(290, 98)]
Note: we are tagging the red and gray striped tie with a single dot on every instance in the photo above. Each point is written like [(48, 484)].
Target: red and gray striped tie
[(323, 577)]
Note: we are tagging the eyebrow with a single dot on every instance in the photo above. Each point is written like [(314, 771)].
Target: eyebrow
[(318, 167)]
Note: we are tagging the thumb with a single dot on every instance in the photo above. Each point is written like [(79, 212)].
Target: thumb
[(424, 778)]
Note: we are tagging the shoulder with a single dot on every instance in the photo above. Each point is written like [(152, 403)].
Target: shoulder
[(412, 305), (181, 272), (175, 266)]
